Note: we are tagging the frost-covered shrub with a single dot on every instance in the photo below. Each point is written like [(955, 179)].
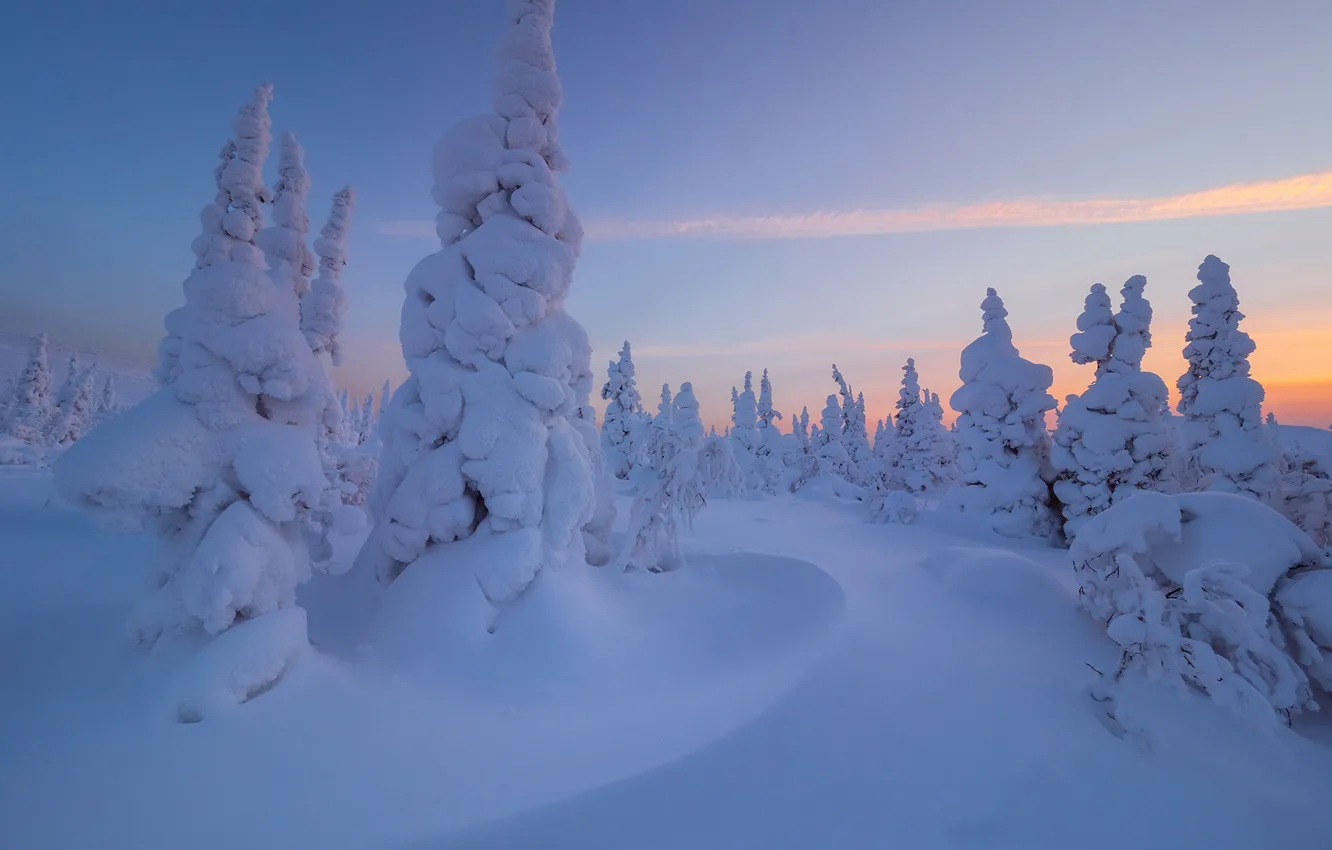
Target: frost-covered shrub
[(1226, 446), (1185, 585), (481, 441), (222, 461), (893, 506), (624, 413), (1003, 459), (1115, 438)]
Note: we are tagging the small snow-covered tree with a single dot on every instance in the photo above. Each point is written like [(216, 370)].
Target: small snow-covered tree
[(624, 413), (941, 457), (664, 411), (77, 410), (1003, 447), (598, 530), (829, 450), (1306, 492), (222, 460), (855, 433), (107, 406), (482, 462), (744, 431), (1226, 446), (685, 416), (908, 461), (31, 405), (770, 454), (1114, 439), (669, 492), (324, 303)]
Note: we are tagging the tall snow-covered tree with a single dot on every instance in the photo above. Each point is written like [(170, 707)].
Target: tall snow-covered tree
[(1226, 448), (31, 405), (624, 414), (1114, 439), (284, 242), (222, 460), (324, 303), (481, 446), (1003, 447)]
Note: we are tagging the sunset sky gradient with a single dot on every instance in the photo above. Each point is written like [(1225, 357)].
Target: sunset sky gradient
[(764, 182)]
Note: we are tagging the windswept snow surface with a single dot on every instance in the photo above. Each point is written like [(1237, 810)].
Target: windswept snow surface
[(809, 680)]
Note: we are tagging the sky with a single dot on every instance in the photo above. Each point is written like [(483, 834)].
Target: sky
[(765, 183)]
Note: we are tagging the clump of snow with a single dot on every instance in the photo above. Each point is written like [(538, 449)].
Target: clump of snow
[(239, 665), (1003, 447), (894, 506)]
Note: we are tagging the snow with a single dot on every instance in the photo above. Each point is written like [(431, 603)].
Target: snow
[(808, 680)]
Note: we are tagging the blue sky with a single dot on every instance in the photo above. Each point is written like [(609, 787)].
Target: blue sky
[(698, 109)]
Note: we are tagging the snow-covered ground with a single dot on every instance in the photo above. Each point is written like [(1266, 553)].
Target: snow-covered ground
[(809, 680)]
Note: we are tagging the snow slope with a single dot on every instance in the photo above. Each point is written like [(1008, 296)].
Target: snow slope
[(809, 680)]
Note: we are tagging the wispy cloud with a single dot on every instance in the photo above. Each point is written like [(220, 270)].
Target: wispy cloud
[(1302, 192)]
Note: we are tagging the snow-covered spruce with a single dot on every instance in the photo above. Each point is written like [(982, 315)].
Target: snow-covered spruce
[(481, 442), (1115, 438), (668, 493), (912, 453), (745, 437), (1213, 591), (624, 413), (830, 452), (941, 457), (860, 468), (284, 242), (684, 414), (222, 460), (324, 304), (78, 409), (772, 454), (31, 405), (1003, 447), (1226, 446)]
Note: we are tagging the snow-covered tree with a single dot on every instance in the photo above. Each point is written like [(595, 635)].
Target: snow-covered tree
[(907, 460), (222, 460), (686, 418), (1003, 447), (324, 303), (664, 411), (481, 446), (941, 455), (598, 530), (289, 259), (855, 434), (1306, 492), (77, 410), (773, 447), (1114, 439), (1226, 446), (624, 414), (31, 405), (744, 430), (669, 492), (107, 406), (829, 450)]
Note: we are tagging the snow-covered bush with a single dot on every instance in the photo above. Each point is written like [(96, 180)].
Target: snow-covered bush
[(31, 405), (624, 413), (1115, 438), (222, 461), (1226, 446), (1185, 585), (893, 506), (481, 442), (1003, 448)]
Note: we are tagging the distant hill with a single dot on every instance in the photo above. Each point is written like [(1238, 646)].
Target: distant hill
[(133, 383)]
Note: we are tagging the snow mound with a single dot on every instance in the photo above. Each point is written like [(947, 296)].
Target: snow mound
[(242, 663), (1000, 583), (581, 631)]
